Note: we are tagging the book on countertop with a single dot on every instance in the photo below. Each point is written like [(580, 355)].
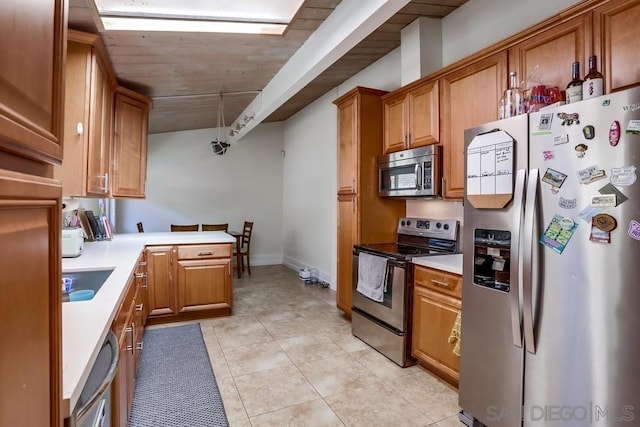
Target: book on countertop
[(86, 227)]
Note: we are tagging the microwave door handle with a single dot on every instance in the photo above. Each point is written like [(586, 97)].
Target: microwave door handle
[(418, 176)]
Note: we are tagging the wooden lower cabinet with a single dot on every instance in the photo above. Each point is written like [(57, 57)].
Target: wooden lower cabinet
[(189, 281), (31, 302), (161, 294), (204, 284), (347, 237), (124, 328), (434, 314)]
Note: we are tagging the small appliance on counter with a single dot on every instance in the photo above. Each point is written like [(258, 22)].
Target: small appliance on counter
[(72, 242)]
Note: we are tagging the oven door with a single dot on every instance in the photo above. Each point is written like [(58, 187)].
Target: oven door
[(391, 310)]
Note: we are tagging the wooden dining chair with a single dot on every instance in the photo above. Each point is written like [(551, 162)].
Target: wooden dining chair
[(215, 227), (245, 246), (190, 227), (140, 227)]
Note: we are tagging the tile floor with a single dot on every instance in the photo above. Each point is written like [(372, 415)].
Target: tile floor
[(286, 357)]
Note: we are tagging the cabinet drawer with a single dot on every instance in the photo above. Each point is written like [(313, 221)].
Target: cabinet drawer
[(440, 281), (204, 251)]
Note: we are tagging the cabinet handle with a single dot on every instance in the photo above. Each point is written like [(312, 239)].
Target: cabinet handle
[(130, 332), (140, 307), (106, 182), (133, 328), (439, 283), (353, 185), (142, 263), (353, 205), (140, 345), (205, 253)]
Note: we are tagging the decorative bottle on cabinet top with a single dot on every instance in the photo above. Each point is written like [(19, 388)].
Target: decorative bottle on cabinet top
[(574, 88), (593, 81), (512, 102)]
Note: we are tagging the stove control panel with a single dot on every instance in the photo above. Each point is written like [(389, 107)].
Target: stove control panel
[(438, 228)]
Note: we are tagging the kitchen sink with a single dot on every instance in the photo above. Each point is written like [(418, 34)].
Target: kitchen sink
[(84, 280)]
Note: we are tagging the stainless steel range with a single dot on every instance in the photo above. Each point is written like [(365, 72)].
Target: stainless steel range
[(383, 320)]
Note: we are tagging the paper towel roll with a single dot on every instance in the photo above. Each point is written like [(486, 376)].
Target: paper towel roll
[(69, 204)]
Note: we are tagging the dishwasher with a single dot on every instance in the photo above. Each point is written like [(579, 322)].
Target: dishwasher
[(94, 405)]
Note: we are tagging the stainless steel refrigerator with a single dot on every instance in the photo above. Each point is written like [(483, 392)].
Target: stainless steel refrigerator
[(551, 273)]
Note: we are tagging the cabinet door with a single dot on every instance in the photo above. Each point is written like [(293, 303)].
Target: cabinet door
[(99, 125), (348, 145), (76, 110), (616, 35), (143, 287), (129, 171), (470, 97), (30, 331), (204, 284), (424, 115), (395, 123), (32, 83), (547, 57), (347, 237), (162, 295), (433, 318)]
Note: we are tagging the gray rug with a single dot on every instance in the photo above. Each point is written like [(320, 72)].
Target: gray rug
[(175, 386)]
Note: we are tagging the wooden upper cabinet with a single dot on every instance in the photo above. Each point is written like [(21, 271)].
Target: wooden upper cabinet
[(88, 118), (546, 57), (129, 161), (616, 36), (347, 144), (32, 83), (470, 97), (411, 117)]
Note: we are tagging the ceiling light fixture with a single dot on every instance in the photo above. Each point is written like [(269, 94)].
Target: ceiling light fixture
[(117, 23), (219, 16), (219, 145)]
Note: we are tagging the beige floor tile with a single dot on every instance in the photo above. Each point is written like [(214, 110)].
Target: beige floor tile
[(219, 364), (432, 396), (274, 389), (381, 366), (290, 328), (337, 374), (233, 405), (244, 334), (309, 347), (376, 405), (243, 422), (309, 414), (256, 357), (347, 341), (266, 315), (449, 422)]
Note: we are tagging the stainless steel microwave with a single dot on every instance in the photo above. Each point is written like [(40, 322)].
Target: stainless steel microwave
[(410, 173)]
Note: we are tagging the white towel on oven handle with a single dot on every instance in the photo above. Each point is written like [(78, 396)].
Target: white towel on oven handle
[(372, 276)]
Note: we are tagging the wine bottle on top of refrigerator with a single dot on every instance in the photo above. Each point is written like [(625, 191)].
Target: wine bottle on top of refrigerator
[(574, 88), (512, 101), (593, 84)]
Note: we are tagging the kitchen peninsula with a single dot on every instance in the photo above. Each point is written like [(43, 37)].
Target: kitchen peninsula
[(85, 324)]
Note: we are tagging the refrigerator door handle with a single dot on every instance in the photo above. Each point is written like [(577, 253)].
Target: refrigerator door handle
[(527, 264), (514, 298)]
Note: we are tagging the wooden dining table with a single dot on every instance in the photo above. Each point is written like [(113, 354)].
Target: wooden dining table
[(238, 236)]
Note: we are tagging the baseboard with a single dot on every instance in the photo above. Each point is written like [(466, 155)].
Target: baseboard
[(296, 264)]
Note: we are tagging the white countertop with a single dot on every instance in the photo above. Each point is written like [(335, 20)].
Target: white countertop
[(449, 263), (85, 324)]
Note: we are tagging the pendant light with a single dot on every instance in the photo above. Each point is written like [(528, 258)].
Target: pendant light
[(219, 145)]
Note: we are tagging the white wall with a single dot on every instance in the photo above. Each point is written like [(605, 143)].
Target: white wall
[(310, 173), (480, 23), (187, 183)]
